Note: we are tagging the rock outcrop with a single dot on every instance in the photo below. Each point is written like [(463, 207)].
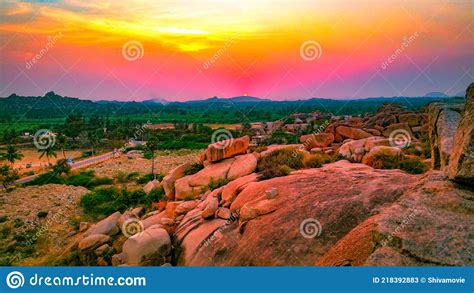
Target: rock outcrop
[(226, 149), (426, 226), (346, 195), (443, 121), (461, 164)]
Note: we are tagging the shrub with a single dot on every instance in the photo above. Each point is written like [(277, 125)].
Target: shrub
[(61, 167), (193, 168), (277, 171), (289, 157), (46, 178), (384, 160), (149, 177), (123, 177), (156, 194), (107, 200), (413, 165), (316, 160), (87, 179), (218, 183), (261, 149), (3, 219), (42, 214)]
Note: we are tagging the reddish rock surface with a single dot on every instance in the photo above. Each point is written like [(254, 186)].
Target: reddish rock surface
[(226, 149), (426, 226), (351, 132), (318, 140), (345, 195), (461, 165)]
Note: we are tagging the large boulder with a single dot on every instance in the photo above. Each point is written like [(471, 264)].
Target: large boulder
[(232, 189), (214, 172), (352, 133), (170, 179), (443, 120), (461, 163), (226, 149), (184, 191), (428, 225), (345, 195), (391, 153), (399, 129), (149, 247), (152, 185), (93, 241), (243, 165), (317, 140), (108, 226)]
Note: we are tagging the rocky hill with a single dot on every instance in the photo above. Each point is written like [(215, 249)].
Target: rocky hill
[(391, 188)]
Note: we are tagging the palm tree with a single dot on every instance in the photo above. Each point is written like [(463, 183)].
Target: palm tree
[(12, 155), (94, 137), (48, 152), (61, 141), (152, 145)]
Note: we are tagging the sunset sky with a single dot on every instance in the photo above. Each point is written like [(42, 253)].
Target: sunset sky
[(199, 49)]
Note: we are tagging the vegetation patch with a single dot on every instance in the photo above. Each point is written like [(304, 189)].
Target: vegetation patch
[(193, 168), (107, 200)]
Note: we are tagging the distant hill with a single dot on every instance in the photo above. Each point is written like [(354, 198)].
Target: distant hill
[(156, 101), (239, 99), (436, 95), (212, 110)]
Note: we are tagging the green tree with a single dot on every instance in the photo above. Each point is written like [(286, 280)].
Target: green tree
[(61, 142), (12, 155), (48, 152), (152, 145), (94, 137), (7, 176), (61, 167)]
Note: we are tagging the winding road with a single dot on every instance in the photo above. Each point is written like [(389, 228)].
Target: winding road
[(76, 165)]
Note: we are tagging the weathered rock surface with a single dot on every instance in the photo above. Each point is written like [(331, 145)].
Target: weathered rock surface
[(152, 185), (243, 165), (345, 196), (431, 224), (93, 241), (184, 191), (443, 121), (317, 140), (148, 247), (461, 164), (213, 172), (170, 179), (108, 226), (351, 132), (226, 149)]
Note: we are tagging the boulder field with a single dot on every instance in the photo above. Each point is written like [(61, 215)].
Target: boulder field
[(339, 214)]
